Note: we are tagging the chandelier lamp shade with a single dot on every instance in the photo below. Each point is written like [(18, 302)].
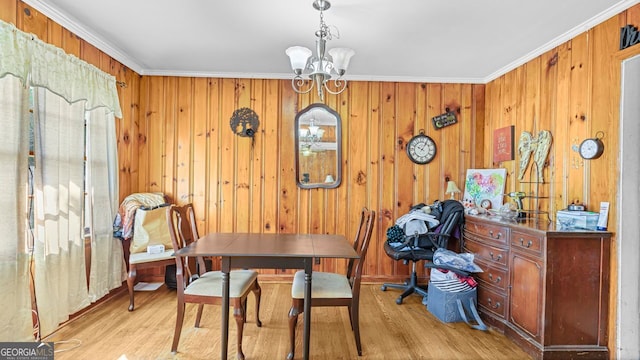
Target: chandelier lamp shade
[(324, 72)]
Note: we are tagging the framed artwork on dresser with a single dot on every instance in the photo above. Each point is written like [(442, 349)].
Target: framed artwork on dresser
[(485, 184)]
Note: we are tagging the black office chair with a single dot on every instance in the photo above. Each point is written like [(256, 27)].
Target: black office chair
[(450, 214)]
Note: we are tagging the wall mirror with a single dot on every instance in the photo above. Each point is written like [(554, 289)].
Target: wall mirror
[(318, 153)]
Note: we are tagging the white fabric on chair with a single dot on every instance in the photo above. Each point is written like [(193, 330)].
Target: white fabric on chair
[(139, 258), (210, 283), (323, 285)]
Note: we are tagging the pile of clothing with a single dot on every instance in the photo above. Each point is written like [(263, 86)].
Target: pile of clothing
[(451, 281), (123, 223)]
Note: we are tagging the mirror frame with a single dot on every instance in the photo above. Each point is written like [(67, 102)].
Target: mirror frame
[(338, 164)]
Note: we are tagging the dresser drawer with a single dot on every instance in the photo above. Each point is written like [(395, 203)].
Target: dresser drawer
[(491, 232), (494, 256), (491, 275), (492, 302), (528, 242)]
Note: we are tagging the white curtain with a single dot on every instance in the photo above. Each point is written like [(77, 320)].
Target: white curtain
[(107, 267), (15, 316), (66, 88), (60, 272)]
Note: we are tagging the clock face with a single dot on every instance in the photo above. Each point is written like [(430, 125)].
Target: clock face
[(591, 148), (421, 149)]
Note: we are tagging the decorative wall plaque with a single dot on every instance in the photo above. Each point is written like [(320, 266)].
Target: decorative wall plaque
[(446, 119), (503, 144), (629, 36), (244, 122)]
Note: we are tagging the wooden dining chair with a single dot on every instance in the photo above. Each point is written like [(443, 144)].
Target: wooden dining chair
[(333, 289), (206, 287)]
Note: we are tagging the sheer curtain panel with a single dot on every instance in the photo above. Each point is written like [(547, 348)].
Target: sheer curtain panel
[(107, 268), (15, 317), (67, 88), (60, 273)]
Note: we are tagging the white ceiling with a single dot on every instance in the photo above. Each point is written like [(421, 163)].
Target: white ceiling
[(467, 41)]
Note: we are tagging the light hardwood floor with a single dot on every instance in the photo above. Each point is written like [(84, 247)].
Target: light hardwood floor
[(388, 331)]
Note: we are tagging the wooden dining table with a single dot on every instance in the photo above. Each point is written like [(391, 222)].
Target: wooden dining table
[(269, 251)]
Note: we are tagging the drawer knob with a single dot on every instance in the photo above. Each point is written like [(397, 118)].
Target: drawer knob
[(497, 304), (496, 236), (497, 280), (529, 243), (495, 258)]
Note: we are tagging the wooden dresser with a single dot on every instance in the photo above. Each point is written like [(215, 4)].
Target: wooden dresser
[(546, 289)]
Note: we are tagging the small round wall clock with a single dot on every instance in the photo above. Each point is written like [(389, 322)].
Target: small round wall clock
[(592, 148), (421, 149)]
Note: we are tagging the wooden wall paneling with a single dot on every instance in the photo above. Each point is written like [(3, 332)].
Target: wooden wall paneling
[(406, 129), (579, 113), (214, 131), (256, 180), (604, 113), (72, 43), (389, 151), (435, 105), (343, 201), (126, 130), (548, 105), (54, 36), (358, 146), (466, 126), (271, 150), (199, 150), (562, 147), (510, 115), (32, 21), (287, 185), (228, 159), (156, 120), (374, 190), (529, 115), (303, 208), (131, 104), (605, 116), (476, 152), (184, 141), (142, 135), (343, 106), (330, 204), (332, 215), (243, 155), (492, 110), (449, 149), (9, 11), (422, 172), (170, 105), (494, 106)]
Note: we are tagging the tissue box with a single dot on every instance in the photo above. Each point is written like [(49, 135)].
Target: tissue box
[(155, 249), (587, 220)]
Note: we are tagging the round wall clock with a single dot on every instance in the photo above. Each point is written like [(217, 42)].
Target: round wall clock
[(421, 149), (591, 148)]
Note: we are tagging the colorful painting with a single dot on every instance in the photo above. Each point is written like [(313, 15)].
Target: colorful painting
[(483, 184)]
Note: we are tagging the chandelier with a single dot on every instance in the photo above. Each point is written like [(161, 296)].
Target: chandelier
[(320, 68), (309, 137)]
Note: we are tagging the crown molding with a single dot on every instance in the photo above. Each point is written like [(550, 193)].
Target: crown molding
[(585, 26), (72, 25)]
